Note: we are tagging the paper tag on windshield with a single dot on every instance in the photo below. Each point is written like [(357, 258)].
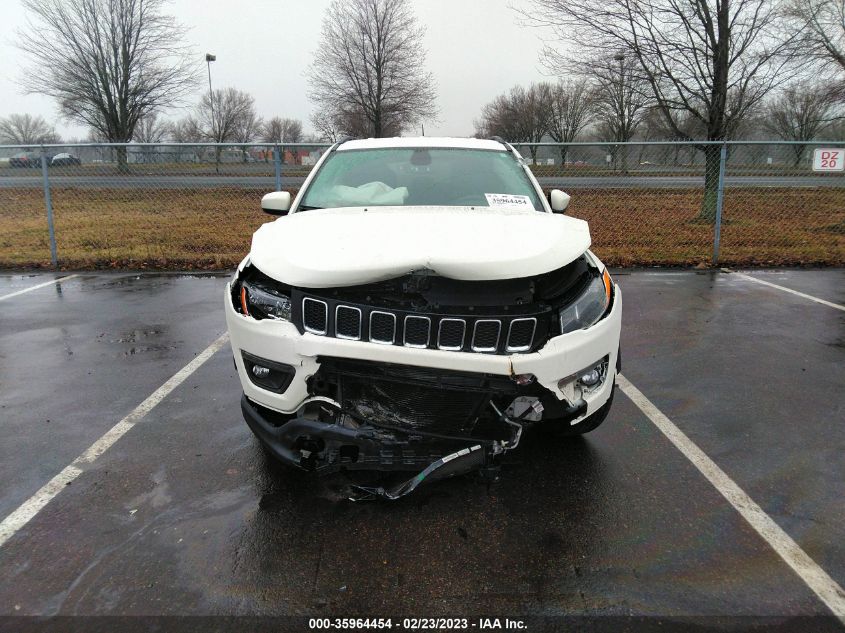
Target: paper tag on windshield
[(508, 201)]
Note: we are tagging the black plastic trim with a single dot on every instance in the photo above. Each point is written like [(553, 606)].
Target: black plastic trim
[(331, 447), (281, 375)]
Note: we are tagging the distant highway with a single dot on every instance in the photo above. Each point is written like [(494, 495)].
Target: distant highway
[(268, 182)]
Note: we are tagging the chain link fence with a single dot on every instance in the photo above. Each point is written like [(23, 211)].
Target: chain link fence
[(196, 206)]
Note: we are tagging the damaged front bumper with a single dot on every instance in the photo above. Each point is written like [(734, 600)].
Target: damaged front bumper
[(328, 446), (324, 447)]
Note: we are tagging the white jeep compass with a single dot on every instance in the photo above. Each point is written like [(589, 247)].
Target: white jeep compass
[(419, 303)]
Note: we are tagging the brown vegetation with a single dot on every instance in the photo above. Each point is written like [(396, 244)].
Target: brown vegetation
[(211, 228)]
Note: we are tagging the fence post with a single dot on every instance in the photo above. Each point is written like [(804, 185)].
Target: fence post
[(720, 197), (49, 202), (277, 163)]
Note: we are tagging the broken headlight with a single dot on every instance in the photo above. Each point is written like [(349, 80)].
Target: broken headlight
[(264, 303), (589, 307)]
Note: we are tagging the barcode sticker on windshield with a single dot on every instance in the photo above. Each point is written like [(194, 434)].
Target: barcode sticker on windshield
[(508, 201)]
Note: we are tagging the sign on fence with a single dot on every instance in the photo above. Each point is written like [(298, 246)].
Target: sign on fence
[(829, 159)]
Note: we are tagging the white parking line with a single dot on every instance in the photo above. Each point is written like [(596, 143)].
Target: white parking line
[(790, 291), (31, 288), (32, 506), (814, 576)]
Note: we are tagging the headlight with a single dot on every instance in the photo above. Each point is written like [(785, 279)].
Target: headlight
[(589, 307), (263, 303)]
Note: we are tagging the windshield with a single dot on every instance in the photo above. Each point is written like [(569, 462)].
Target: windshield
[(421, 176)]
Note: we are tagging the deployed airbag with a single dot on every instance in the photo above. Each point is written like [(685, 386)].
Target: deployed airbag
[(371, 193)]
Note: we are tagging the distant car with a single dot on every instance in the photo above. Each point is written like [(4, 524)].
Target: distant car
[(22, 160), (64, 159)]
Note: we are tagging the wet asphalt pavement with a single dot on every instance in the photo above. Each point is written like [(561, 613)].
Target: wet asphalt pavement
[(184, 515)]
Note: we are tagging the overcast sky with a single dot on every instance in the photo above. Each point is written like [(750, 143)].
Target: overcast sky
[(476, 50)]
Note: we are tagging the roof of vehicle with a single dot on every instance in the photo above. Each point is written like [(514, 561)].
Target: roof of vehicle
[(422, 141)]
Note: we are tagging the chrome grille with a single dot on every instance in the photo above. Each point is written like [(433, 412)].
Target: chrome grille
[(450, 334), (489, 334), (521, 334), (382, 327), (315, 315), (485, 335), (347, 322), (417, 331)]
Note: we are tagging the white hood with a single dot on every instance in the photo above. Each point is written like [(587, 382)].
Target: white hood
[(349, 246)]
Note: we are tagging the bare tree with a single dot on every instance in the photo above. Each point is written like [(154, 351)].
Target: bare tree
[(25, 129), (571, 110), (327, 126), (349, 120), (533, 107), (622, 99), (370, 67), (657, 129), (521, 116), (151, 129), (232, 119), (232, 110), (107, 62), (821, 24), (713, 59), (836, 132), (292, 131), (186, 130), (94, 136), (251, 127), (499, 118), (801, 113), (282, 130)]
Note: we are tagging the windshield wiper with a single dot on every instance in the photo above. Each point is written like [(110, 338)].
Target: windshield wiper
[(306, 207)]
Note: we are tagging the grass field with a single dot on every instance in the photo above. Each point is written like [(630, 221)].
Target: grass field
[(211, 228)]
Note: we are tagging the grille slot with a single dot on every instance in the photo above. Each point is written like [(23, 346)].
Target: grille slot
[(417, 331), (315, 316), (521, 334), (450, 334), (347, 323), (382, 327), (485, 335)]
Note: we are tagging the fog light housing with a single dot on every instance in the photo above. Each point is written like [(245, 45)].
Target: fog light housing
[(260, 372), (590, 378), (593, 377), (267, 374)]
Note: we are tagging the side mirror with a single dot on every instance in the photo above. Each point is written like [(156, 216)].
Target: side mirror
[(276, 203), (558, 200)]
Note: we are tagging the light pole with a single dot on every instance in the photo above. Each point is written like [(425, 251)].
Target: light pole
[(622, 122), (208, 59)]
